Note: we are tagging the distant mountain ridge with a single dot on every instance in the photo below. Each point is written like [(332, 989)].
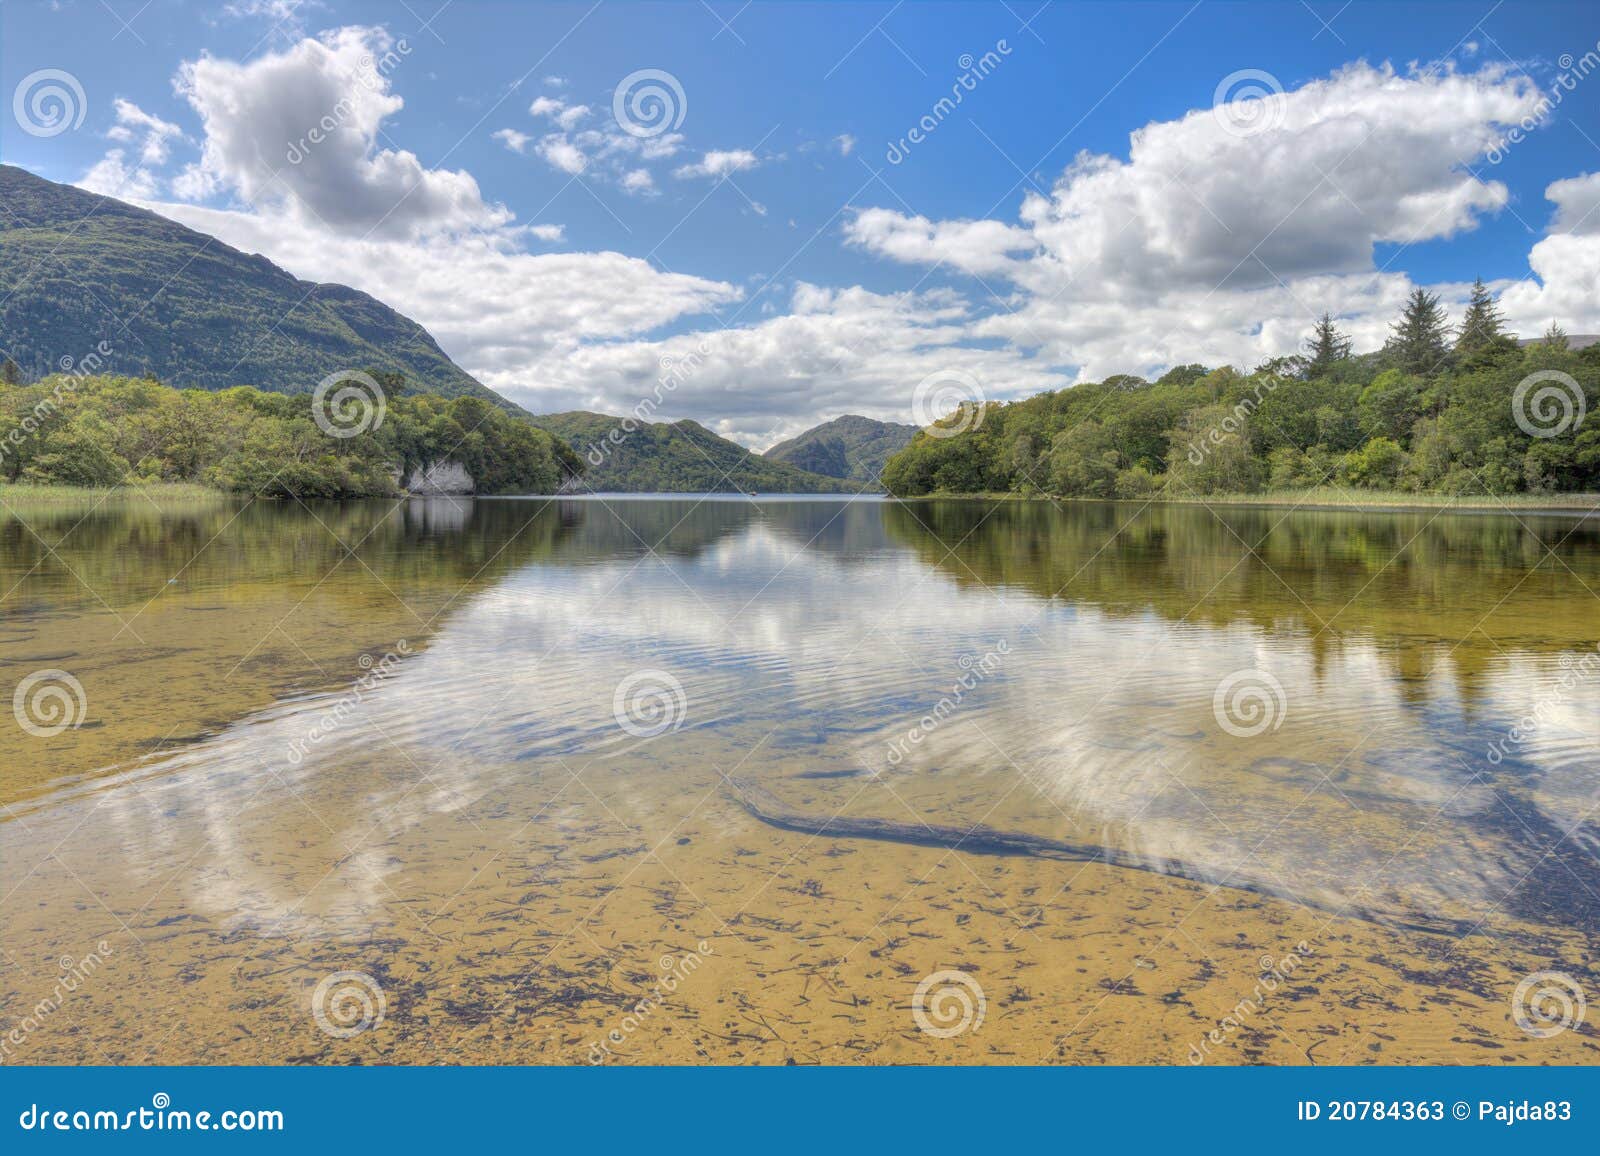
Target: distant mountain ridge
[(675, 457), (78, 269), (851, 447)]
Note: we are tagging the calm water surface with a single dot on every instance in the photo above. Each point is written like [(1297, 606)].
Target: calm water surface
[(497, 760)]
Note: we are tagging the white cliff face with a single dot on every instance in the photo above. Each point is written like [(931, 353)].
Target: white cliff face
[(440, 478)]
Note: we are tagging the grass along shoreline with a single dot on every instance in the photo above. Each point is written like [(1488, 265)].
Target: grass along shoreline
[(1319, 498), (20, 497)]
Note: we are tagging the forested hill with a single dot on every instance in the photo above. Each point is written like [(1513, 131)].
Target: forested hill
[(625, 456), (199, 313), (851, 446), (1460, 409)]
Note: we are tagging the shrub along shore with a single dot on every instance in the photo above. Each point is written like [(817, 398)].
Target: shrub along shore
[(1462, 414), (360, 438)]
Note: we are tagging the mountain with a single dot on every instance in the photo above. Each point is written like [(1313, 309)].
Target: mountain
[(675, 457), (79, 269), (847, 447)]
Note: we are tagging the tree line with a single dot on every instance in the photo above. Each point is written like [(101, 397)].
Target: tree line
[(1464, 409), (106, 431)]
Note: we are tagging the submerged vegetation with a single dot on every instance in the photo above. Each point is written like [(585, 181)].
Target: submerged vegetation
[(1476, 415), (98, 432)]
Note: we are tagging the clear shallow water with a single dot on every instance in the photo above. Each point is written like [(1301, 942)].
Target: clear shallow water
[(419, 742)]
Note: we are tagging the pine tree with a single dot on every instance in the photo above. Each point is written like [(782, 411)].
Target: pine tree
[(10, 373), (1556, 337), (1483, 325), (1419, 340), (1325, 347)]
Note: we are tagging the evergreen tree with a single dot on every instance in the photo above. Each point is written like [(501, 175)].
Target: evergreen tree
[(1325, 347), (1556, 337), (1418, 342), (10, 373), (1482, 325)]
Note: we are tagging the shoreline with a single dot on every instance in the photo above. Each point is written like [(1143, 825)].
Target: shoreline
[(30, 496), (1395, 501)]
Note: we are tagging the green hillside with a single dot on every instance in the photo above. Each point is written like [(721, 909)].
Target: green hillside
[(851, 447), (674, 457), (78, 270)]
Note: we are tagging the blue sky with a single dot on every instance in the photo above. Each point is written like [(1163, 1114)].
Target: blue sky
[(772, 241)]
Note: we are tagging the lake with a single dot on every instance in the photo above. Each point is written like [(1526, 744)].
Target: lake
[(675, 780)]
